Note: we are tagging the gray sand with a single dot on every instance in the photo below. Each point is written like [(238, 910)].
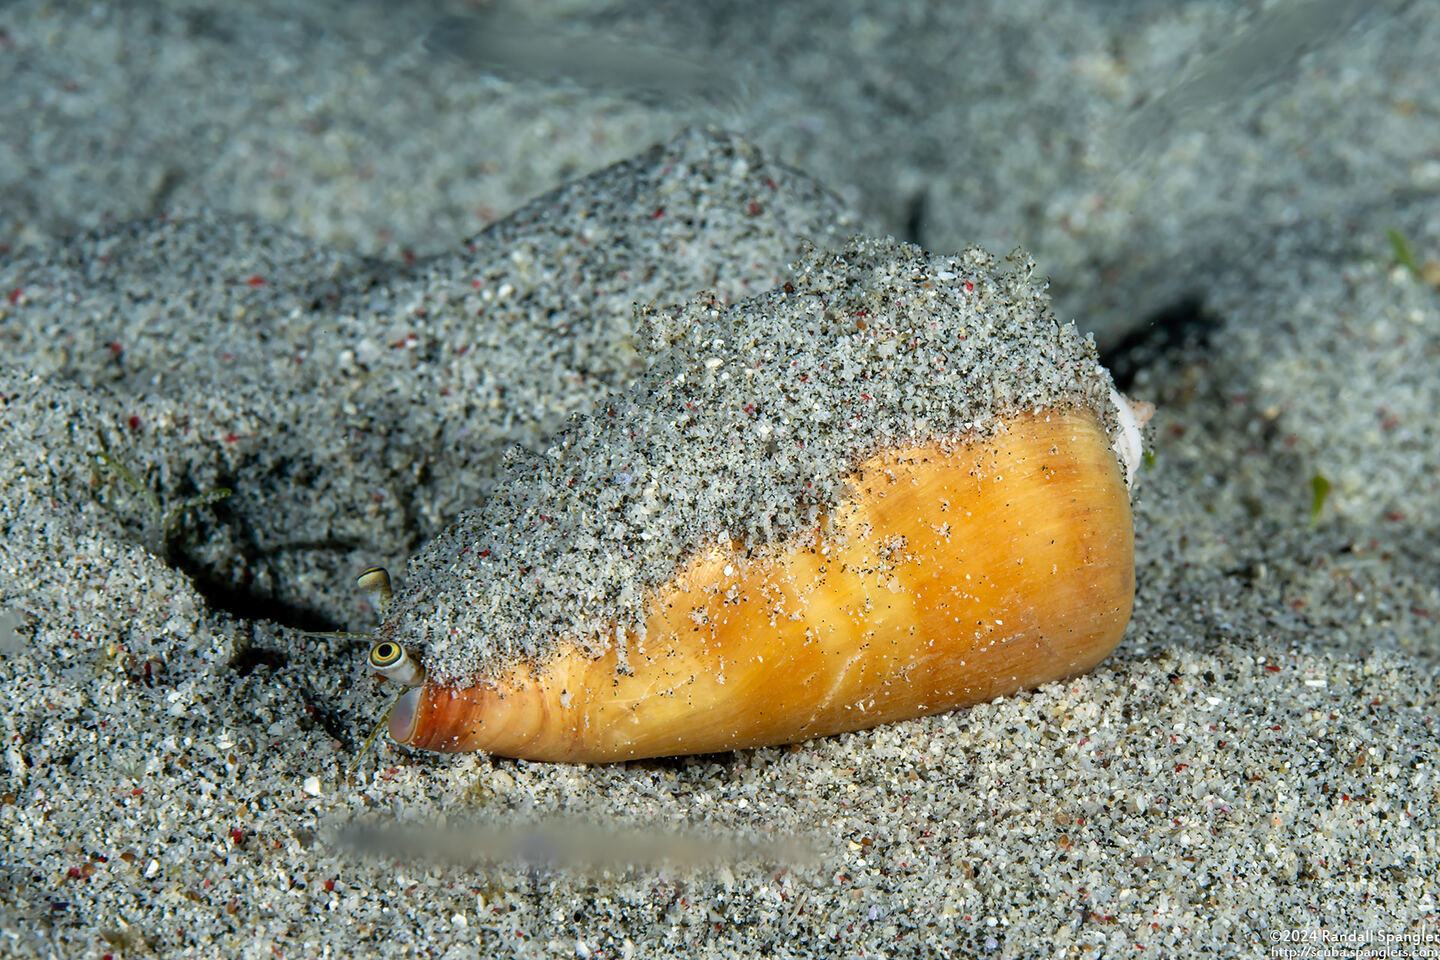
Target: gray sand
[(181, 765), (417, 379), (1019, 122)]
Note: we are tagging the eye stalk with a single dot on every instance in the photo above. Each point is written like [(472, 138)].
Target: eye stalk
[(390, 660), (376, 582), (387, 658)]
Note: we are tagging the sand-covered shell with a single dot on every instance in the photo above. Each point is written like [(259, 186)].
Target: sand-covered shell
[(892, 487)]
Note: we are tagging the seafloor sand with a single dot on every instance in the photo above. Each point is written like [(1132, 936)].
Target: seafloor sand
[(183, 766)]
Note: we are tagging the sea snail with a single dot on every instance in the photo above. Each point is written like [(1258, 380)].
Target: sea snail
[(894, 487)]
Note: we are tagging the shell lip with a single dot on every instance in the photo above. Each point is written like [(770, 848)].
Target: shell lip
[(404, 716), (1129, 445)]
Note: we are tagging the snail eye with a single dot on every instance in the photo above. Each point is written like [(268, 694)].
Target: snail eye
[(389, 660), (385, 654)]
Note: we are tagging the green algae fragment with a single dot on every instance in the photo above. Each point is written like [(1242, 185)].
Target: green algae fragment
[(1319, 490), (1403, 254), (163, 520)]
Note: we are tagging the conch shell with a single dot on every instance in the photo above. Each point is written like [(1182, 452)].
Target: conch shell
[(949, 577), (947, 520)]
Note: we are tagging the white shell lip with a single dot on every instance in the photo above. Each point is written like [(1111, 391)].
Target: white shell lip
[(403, 716), (1129, 446)]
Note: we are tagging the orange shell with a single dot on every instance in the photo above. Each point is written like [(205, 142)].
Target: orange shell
[(946, 577)]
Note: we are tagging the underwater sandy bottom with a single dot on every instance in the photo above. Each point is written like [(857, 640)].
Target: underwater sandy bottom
[(185, 769)]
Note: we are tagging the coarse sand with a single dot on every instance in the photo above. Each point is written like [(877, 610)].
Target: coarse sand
[(187, 771), (1259, 753), (415, 379)]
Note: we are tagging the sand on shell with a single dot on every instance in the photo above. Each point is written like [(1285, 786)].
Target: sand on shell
[(740, 429)]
